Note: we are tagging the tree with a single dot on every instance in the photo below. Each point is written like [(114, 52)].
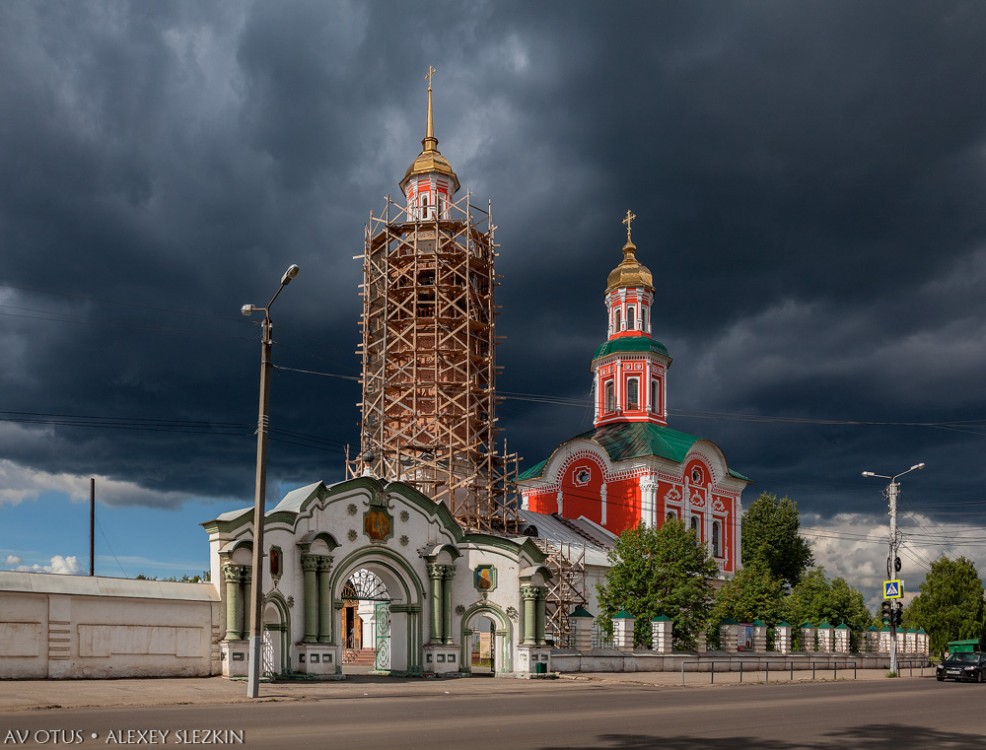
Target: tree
[(770, 536), (660, 571), (754, 593), (815, 598), (950, 605)]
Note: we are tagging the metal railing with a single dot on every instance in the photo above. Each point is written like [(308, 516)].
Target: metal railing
[(765, 668)]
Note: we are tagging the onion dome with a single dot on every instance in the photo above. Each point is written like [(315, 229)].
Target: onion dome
[(631, 272)]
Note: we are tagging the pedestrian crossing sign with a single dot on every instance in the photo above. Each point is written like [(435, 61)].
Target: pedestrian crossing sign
[(893, 589)]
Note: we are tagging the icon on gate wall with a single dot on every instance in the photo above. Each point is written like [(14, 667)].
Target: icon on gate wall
[(378, 525), (484, 577)]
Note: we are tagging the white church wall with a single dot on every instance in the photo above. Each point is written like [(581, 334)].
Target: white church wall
[(54, 626)]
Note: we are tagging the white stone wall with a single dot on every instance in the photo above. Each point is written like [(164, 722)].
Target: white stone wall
[(54, 626)]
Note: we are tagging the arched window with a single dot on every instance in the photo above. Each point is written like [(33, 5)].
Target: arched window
[(616, 321), (425, 210), (672, 516), (655, 396), (716, 539), (630, 318), (609, 397), (643, 320), (694, 526), (633, 393)]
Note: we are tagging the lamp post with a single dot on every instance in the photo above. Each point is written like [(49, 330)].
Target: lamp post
[(893, 562), (260, 498)]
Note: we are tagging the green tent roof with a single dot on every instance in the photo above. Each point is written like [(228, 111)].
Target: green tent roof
[(631, 344), (635, 440)]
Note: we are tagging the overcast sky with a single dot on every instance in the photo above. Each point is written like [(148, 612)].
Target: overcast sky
[(809, 180)]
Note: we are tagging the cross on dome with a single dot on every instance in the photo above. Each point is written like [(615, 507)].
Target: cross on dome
[(628, 221)]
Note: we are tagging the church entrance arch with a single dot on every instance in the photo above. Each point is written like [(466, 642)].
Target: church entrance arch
[(377, 604), (275, 649), (366, 621), (487, 633)]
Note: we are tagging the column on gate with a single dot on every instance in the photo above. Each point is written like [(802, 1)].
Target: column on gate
[(309, 564), (436, 574), (447, 604), (529, 595), (325, 611), (233, 576)]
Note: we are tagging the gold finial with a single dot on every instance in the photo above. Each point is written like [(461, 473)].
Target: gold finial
[(430, 142), (628, 221)]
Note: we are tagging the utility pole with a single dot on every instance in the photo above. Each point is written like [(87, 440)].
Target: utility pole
[(255, 666), (92, 526), (893, 561)]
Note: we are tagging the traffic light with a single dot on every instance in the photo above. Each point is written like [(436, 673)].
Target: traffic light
[(887, 614), (899, 614)]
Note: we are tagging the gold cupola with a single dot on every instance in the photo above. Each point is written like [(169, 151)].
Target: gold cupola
[(430, 160), (631, 272)]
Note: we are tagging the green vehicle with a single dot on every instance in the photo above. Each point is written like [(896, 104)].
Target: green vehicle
[(970, 646)]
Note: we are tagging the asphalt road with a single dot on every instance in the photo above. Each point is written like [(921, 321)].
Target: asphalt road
[(886, 715)]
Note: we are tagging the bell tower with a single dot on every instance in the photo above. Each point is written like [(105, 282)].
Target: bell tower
[(630, 368), (429, 345)]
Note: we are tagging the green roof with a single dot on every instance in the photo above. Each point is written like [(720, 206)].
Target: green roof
[(623, 615), (625, 440), (631, 344), (581, 611)]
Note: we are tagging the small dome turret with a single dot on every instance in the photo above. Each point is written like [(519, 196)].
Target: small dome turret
[(430, 160), (631, 272)]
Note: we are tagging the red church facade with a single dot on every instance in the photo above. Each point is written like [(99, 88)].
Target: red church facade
[(631, 468)]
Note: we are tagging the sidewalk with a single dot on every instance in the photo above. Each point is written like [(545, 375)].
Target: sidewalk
[(28, 695)]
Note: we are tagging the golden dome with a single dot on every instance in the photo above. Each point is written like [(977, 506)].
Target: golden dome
[(630, 272), (430, 159)]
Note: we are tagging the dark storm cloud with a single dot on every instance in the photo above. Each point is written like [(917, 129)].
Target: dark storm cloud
[(808, 179)]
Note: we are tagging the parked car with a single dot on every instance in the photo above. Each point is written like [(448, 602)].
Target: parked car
[(966, 665)]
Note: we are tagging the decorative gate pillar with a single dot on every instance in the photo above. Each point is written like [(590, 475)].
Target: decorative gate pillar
[(309, 564), (529, 595), (324, 600), (233, 576), (436, 572), (447, 604)]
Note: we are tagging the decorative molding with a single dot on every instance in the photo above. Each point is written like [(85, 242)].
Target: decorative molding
[(404, 540), (352, 535), (351, 509), (405, 516)]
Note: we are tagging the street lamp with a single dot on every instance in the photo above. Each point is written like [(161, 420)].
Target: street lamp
[(893, 562), (260, 498)]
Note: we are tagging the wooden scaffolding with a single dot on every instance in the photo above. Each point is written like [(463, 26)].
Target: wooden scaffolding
[(429, 361)]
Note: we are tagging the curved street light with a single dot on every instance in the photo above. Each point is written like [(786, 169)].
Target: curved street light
[(892, 568), (260, 497)]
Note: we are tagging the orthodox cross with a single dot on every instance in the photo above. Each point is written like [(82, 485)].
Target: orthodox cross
[(628, 221), (429, 74)]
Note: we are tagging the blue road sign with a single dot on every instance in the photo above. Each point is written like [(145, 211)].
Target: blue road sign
[(893, 589)]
